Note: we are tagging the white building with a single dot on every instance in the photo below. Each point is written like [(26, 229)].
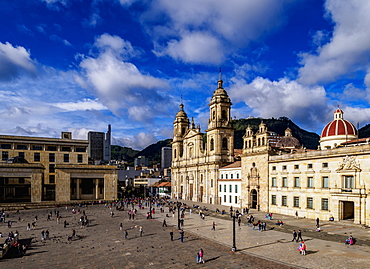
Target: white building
[(229, 185)]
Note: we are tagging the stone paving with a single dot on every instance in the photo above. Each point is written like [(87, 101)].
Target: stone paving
[(104, 245)]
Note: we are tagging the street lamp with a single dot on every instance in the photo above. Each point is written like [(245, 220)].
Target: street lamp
[(150, 206), (233, 215), (178, 215)]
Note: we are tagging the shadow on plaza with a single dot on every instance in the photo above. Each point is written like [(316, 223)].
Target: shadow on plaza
[(283, 241), (212, 259)]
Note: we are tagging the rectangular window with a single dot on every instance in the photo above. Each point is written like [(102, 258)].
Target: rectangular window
[(273, 182), (225, 198), (236, 188), (231, 176), (236, 199), (284, 182), (220, 188), (273, 199), (274, 168), (348, 182), (325, 204), (296, 166), (310, 182), (284, 167), (51, 179), (230, 201), (21, 180), (222, 176), (51, 157), (51, 168), (66, 149), (80, 149), (36, 157), (51, 148), (237, 176), (283, 201), (4, 155), (296, 182), (36, 147), (325, 165), (66, 160), (6, 146), (309, 166), (79, 158), (309, 202), (22, 147), (325, 182), (226, 176), (230, 188), (225, 189), (21, 154), (296, 201)]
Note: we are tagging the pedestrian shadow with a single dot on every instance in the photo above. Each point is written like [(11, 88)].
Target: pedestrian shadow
[(192, 239), (311, 251), (212, 259), (36, 252), (267, 244)]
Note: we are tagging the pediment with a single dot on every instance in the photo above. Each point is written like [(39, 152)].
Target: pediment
[(191, 133)]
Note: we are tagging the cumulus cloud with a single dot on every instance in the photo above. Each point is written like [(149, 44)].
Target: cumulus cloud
[(119, 85), (281, 98), (138, 142), (349, 48), (187, 29), (85, 104), (15, 61)]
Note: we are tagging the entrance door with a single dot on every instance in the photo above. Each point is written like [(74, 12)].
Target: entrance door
[(191, 192), (201, 194), (348, 210), (254, 199)]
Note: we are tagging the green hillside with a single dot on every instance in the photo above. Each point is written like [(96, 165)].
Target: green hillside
[(307, 139), (123, 153)]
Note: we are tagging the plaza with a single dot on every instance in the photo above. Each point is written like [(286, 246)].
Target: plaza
[(103, 244)]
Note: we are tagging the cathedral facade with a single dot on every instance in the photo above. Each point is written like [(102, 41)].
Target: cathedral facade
[(197, 156)]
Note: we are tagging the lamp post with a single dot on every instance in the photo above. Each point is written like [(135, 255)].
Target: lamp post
[(150, 206), (178, 215), (233, 215)]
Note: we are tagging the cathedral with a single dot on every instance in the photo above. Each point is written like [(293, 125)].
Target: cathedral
[(272, 173)]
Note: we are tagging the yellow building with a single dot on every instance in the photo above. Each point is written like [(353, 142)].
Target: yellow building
[(35, 169)]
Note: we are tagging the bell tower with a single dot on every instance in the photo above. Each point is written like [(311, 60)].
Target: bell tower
[(220, 132), (180, 127)]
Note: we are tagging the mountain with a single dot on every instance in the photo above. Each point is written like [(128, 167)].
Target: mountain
[(309, 140), (153, 152), (364, 131)]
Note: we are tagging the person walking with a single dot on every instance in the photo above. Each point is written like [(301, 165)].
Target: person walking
[(171, 235), (126, 234), (302, 248), (42, 235), (317, 222), (299, 235), (120, 226), (296, 214), (28, 227), (213, 226), (164, 224), (294, 236), (141, 231), (201, 254)]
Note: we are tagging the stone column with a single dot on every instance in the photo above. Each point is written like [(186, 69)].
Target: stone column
[(36, 187), (96, 188)]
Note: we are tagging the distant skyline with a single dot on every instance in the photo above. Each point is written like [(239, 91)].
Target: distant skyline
[(78, 65)]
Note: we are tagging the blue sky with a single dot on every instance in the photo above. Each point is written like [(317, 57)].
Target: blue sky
[(76, 65)]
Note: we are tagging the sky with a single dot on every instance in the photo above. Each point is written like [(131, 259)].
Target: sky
[(78, 65)]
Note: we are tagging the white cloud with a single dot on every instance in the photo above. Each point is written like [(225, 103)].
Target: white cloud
[(120, 85), (215, 26), (61, 40), (195, 47), (282, 98), (85, 104), (116, 45), (138, 142), (15, 61), (349, 48)]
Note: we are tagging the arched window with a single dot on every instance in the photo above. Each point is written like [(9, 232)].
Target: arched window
[(212, 146), (222, 176), (201, 179), (263, 141), (183, 130), (250, 144), (259, 142), (224, 143), (214, 115), (245, 145), (175, 153)]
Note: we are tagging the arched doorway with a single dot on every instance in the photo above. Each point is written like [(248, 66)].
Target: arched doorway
[(254, 199)]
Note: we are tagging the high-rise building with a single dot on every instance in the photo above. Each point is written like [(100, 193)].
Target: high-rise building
[(107, 148), (166, 157), (141, 161)]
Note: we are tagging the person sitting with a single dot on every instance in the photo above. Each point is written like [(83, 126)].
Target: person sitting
[(331, 218), (350, 240), (217, 211), (223, 212)]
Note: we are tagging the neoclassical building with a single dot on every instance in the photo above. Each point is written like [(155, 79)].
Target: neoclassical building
[(36, 169), (197, 156)]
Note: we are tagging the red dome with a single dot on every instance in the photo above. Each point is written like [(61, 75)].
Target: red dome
[(339, 127)]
